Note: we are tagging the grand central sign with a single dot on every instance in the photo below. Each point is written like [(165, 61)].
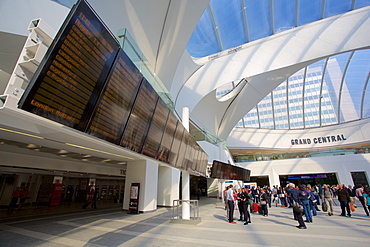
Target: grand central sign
[(320, 139)]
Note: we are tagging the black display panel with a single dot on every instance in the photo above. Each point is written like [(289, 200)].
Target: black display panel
[(70, 77), (139, 119), (175, 147), (168, 135), (156, 129), (226, 171), (182, 150), (114, 106)]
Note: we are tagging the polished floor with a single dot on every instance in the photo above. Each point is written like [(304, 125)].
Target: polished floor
[(114, 227)]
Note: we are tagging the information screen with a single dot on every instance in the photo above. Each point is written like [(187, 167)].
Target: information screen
[(114, 106), (168, 135), (72, 73), (140, 117), (227, 171), (156, 129), (175, 148)]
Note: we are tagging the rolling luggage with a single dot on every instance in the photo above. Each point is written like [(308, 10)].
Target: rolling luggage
[(255, 207)]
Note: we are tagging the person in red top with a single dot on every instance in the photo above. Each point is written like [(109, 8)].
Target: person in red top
[(23, 195), (15, 196)]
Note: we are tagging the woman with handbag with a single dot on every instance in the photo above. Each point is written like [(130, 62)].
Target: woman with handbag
[(264, 202)]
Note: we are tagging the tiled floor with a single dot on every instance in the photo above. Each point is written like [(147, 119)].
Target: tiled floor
[(114, 227)]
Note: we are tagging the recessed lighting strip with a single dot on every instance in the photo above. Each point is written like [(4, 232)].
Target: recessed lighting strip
[(21, 133), (91, 149), (69, 144)]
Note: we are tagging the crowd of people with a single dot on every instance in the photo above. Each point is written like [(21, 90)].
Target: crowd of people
[(303, 199)]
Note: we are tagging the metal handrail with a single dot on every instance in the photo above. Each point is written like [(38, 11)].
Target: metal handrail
[(194, 209)]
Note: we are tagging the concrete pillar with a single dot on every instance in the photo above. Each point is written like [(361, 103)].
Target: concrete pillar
[(221, 151), (185, 174), (168, 185), (274, 177), (144, 172)]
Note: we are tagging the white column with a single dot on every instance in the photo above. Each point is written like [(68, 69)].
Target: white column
[(274, 177), (221, 151), (185, 174), (144, 172), (168, 185)]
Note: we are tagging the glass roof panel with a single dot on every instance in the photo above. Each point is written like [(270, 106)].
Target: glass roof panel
[(335, 7), (229, 22), (203, 40), (312, 90), (309, 11), (361, 3), (258, 18), (284, 15), (353, 85), (295, 104)]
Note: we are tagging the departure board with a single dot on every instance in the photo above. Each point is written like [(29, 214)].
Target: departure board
[(227, 171), (87, 82), (156, 129), (168, 135), (175, 147), (182, 150), (114, 106), (140, 117), (72, 73)]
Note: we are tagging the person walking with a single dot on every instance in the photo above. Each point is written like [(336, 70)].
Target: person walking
[(359, 195), (15, 197), (327, 198), (352, 195), (344, 200), (230, 203), (294, 194), (305, 201), (23, 195)]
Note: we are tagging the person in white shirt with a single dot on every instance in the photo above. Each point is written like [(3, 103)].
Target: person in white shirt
[(230, 203), (359, 195)]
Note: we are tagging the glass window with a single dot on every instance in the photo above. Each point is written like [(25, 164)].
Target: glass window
[(229, 22), (203, 41), (284, 15), (258, 18), (335, 7), (353, 85)]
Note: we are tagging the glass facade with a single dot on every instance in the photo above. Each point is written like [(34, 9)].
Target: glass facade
[(330, 91)]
